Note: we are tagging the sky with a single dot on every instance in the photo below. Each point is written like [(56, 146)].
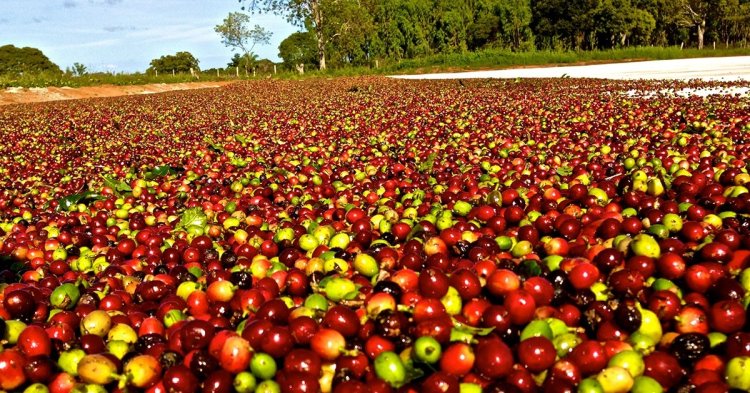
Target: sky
[(125, 35)]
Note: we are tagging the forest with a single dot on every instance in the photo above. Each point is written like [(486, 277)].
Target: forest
[(358, 32)]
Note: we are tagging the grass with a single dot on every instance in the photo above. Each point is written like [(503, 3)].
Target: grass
[(95, 79), (499, 59), (485, 59), (507, 59)]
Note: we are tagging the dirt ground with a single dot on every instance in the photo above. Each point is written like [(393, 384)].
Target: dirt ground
[(17, 95)]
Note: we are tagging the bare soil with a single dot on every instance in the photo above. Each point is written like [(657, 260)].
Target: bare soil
[(17, 95)]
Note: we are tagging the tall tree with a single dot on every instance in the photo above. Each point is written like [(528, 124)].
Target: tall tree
[(484, 30), (730, 18), (561, 23), (298, 48), (300, 12), (515, 21), (451, 20), (616, 21), (350, 32), (667, 15), (696, 13), (236, 33)]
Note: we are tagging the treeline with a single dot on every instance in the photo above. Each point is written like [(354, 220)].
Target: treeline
[(358, 32)]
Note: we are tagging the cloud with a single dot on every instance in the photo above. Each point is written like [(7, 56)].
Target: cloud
[(105, 2), (74, 3), (182, 33), (91, 44), (114, 29)]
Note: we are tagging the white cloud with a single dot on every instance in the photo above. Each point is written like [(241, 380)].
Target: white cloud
[(178, 33), (91, 44)]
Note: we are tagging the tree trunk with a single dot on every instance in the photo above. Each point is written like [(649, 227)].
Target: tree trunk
[(701, 30), (317, 15)]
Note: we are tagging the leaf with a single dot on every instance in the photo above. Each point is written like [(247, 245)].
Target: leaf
[(118, 185), (413, 373), (161, 171), (240, 139), (415, 231), (64, 204), (351, 295), (464, 328), (322, 283), (460, 335), (530, 268), (428, 164), (564, 171), (193, 217), (214, 147)]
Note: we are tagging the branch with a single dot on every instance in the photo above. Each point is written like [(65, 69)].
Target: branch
[(344, 28), (694, 16)]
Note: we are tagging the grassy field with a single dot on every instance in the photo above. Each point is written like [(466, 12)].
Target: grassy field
[(507, 59), (487, 59)]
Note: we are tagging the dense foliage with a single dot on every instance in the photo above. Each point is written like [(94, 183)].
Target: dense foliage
[(16, 61), (180, 62), (358, 32), (378, 235)]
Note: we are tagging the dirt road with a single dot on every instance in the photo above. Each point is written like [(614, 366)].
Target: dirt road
[(17, 95)]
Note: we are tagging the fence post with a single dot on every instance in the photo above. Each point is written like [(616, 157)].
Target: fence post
[(238, 71), (172, 71), (274, 69)]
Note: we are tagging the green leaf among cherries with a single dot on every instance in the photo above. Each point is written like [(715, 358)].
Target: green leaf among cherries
[(193, 217), (69, 201)]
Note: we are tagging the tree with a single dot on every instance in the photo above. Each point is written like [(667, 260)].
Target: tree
[(299, 48), (264, 66), (451, 20), (485, 28), (515, 21), (248, 60), (696, 14), (236, 33), (561, 23), (405, 28), (667, 15), (303, 13), (348, 32), (179, 62), (79, 69), (15, 60), (618, 21)]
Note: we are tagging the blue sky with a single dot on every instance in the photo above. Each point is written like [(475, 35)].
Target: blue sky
[(125, 35)]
